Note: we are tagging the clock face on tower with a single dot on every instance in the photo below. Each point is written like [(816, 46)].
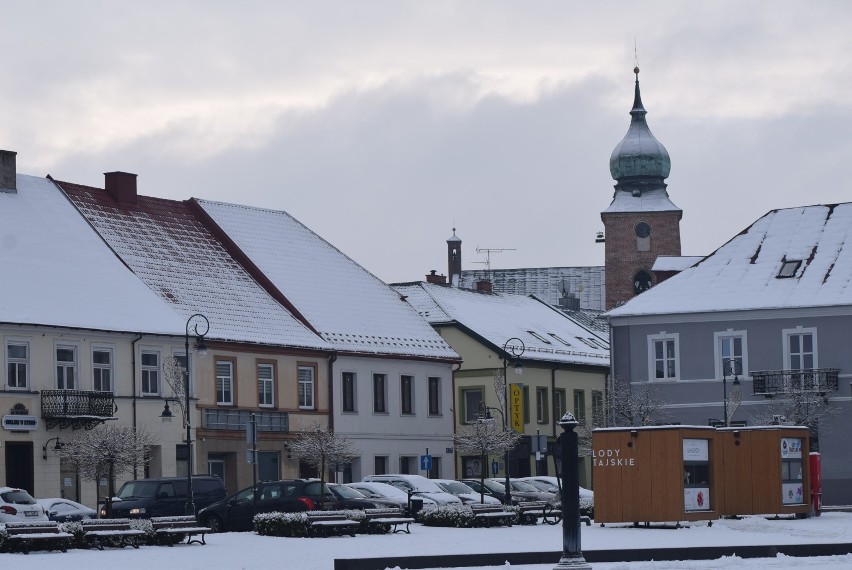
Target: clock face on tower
[(643, 229), (642, 282)]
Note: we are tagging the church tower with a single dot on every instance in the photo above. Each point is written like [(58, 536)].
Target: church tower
[(454, 262), (641, 223)]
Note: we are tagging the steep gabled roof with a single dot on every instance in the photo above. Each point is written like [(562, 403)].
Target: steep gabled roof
[(351, 308), (586, 283), (548, 334), (58, 272), (795, 257), (177, 257)]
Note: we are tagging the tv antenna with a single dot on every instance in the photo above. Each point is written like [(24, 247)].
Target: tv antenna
[(488, 251)]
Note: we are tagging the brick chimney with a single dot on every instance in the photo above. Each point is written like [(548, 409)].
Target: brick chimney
[(484, 285), (433, 277), (8, 172), (122, 187)]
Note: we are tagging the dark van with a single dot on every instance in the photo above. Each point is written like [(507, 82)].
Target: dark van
[(164, 496)]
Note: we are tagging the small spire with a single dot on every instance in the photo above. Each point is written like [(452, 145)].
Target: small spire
[(638, 109)]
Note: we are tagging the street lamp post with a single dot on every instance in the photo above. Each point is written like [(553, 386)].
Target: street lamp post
[(512, 350), (572, 554), (197, 326), (733, 364)]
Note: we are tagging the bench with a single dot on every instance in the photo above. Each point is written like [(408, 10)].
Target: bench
[(488, 515), (172, 530), (387, 519), (24, 534), (324, 523), (110, 532), (549, 513)]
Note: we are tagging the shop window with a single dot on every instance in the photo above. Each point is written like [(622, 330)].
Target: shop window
[(792, 492), (696, 475)]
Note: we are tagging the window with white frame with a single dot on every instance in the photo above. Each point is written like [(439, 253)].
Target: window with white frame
[(663, 356), (380, 393), (150, 362), (225, 382), (406, 391), (265, 385), (434, 396), (102, 369), (580, 406), (597, 409), (348, 389), (731, 354), (800, 348), (558, 403), (66, 367), (541, 410), (17, 365), (307, 387)]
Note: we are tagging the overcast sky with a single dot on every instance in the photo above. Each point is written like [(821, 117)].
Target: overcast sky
[(381, 125)]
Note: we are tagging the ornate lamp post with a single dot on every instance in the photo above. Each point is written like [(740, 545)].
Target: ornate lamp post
[(512, 350), (736, 368), (197, 326), (572, 555)]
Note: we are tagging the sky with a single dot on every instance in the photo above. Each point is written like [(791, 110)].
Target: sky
[(247, 550), (384, 124)]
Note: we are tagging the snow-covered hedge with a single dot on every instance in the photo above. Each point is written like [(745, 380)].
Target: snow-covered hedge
[(4, 538), (296, 524), (458, 517), (587, 507)]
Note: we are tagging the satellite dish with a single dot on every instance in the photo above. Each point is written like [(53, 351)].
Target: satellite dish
[(564, 287)]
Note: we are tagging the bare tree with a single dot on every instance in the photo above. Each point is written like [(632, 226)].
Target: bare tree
[(107, 451), (320, 448), (175, 376), (483, 438), (628, 405), (798, 408)]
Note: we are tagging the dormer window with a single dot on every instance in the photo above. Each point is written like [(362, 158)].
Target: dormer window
[(560, 339), (539, 337), (789, 268)]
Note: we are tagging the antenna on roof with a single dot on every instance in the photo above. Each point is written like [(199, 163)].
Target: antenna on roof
[(488, 251)]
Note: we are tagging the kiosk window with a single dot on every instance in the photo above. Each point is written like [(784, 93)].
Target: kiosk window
[(792, 491), (696, 475)]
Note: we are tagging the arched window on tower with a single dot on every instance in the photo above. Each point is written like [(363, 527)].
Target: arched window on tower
[(643, 236), (642, 281)]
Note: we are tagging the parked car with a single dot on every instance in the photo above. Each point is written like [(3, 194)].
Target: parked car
[(464, 492), (349, 498), (388, 492), (164, 496), (417, 485), (236, 513), (64, 510), (550, 484), (519, 492), (16, 505)]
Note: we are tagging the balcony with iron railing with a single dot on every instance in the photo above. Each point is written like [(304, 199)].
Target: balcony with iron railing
[(237, 420), (771, 383), (76, 408)]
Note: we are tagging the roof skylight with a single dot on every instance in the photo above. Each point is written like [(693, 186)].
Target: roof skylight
[(789, 268)]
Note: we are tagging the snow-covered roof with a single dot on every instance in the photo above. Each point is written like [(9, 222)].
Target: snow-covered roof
[(811, 244), (350, 307), (675, 262), (178, 258), (548, 334), (656, 200), (550, 284), (59, 272)]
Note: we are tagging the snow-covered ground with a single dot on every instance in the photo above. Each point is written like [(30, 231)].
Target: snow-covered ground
[(246, 550)]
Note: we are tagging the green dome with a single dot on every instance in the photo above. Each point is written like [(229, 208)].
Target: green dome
[(639, 158)]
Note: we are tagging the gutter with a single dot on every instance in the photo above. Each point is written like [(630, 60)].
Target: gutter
[(133, 383)]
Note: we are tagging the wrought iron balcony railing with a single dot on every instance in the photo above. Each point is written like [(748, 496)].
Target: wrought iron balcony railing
[(770, 383), (76, 408), (237, 420)]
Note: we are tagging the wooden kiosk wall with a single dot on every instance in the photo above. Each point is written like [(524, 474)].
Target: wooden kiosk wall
[(751, 478), (639, 474)]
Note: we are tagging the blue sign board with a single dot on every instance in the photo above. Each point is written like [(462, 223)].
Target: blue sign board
[(425, 462)]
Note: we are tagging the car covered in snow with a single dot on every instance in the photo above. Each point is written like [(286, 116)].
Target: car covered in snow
[(16, 505)]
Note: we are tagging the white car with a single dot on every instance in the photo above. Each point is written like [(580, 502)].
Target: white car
[(16, 505), (465, 493), (418, 486), (388, 492)]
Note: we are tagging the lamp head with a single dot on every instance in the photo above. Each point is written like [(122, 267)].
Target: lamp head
[(201, 346), (167, 414), (519, 368)]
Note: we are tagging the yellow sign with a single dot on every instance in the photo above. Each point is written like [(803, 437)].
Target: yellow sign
[(516, 407)]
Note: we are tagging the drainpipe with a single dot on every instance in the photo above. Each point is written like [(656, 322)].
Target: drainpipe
[(456, 458), (331, 359), (554, 421), (133, 395)]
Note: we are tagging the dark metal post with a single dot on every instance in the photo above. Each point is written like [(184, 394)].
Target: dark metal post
[(507, 498), (200, 320), (726, 363), (572, 555)]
